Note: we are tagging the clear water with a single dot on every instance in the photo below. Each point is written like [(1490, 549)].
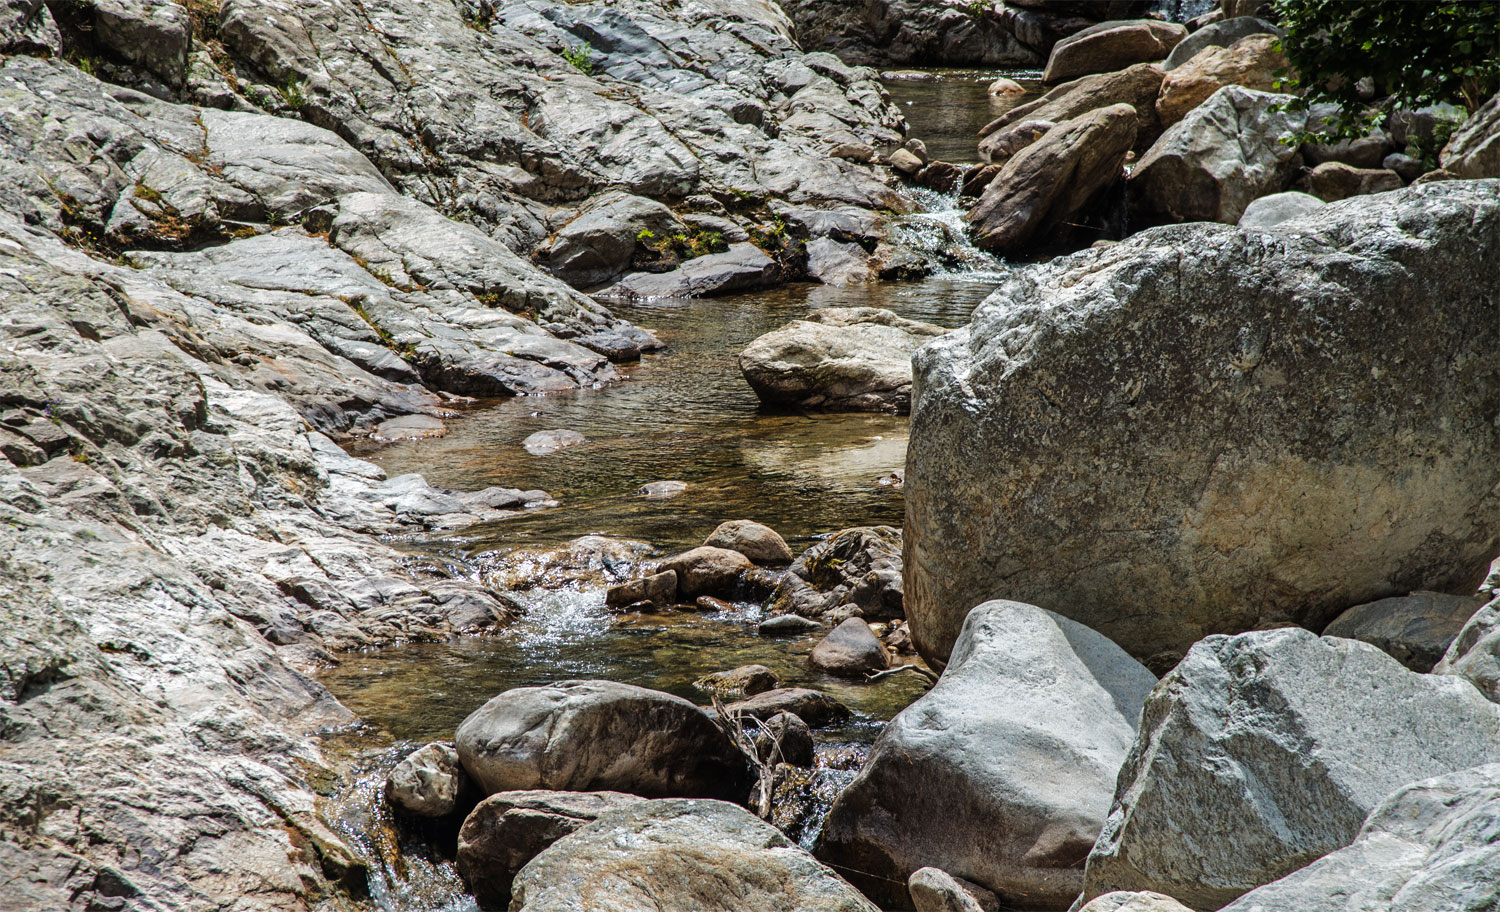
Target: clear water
[(947, 108)]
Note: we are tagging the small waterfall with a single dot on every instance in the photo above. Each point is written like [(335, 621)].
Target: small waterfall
[(939, 235)]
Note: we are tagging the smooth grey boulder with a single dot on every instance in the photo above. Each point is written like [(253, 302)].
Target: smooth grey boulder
[(744, 267), (1475, 653), (1270, 211), (935, 890), (1415, 629), (1247, 381), (1222, 154), (427, 782), (1432, 846), (1018, 744), (1473, 151), (850, 650), (599, 736), (838, 359), (853, 573), (1223, 33), (760, 543), (508, 829), (1252, 762), (680, 856), (787, 625), (1133, 901)]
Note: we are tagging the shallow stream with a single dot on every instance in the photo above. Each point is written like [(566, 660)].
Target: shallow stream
[(684, 414)]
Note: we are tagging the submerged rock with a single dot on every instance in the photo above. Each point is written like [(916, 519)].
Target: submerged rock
[(1249, 765), (838, 359), (596, 736), (1018, 743), (738, 683), (1281, 379), (680, 856)]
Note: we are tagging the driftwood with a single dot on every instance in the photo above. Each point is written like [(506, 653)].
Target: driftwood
[(733, 725), (915, 669)]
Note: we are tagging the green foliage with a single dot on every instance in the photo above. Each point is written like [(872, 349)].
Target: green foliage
[(294, 94), (977, 8), (682, 245), (1416, 54), (582, 58)]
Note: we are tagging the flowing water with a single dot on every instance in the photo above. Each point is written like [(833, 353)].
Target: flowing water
[(684, 414)]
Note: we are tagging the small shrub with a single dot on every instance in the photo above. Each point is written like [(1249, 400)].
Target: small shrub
[(582, 58)]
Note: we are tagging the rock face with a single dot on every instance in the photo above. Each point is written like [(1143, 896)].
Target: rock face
[(1475, 652), (1429, 847), (428, 782), (1112, 46), (508, 829), (1416, 630), (1473, 151), (850, 650), (681, 856), (1018, 743), (1251, 62), (598, 736), (1047, 184), (854, 573), (883, 32), (1212, 367), (838, 359), (1248, 767), (1224, 153)]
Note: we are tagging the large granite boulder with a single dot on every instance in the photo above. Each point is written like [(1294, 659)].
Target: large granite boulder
[(1219, 34), (1202, 429), (1002, 773), (1475, 653), (707, 570), (1022, 125), (1473, 151), (680, 856), (1111, 46), (1043, 188), (1429, 847), (1253, 761), (1251, 62), (1334, 181), (1222, 154), (838, 359), (1415, 629), (508, 829), (599, 736)]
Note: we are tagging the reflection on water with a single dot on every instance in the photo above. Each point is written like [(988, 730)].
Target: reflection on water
[(947, 108)]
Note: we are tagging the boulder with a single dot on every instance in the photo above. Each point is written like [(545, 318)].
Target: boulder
[(850, 650), (738, 683), (1415, 629), (427, 782), (1130, 901), (743, 267), (707, 571), (1111, 46), (785, 738), (838, 359), (1270, 211), (853, 573), (1475, 652), (786, 625), (1251, 62), (1473, 151), (759, 543), (905, 161), (680, 856), (601, 242), (837, 262), (1247, 381), (658, 589), (811, 706), (935, 890), (1250, 765), (1137, 86), (1361, 151), (1333, 181), (508, 829), (1428, 847), (1224, 153), (599, 735), (1220, 34), (1042, 189), (1018, 744)]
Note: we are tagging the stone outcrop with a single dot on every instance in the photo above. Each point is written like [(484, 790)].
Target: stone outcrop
[(1249, 766), (1044, 188), (1212, 367), (838, 359), (884, 32), (1224, 153), (1018, 744), (1416, 630), (1429, 847), (854, 573), (681, 856), (599, 736)]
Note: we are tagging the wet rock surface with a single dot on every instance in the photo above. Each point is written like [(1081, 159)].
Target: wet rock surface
[(854, 573)]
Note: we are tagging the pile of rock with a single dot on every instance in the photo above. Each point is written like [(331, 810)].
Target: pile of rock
[(727, 566)]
